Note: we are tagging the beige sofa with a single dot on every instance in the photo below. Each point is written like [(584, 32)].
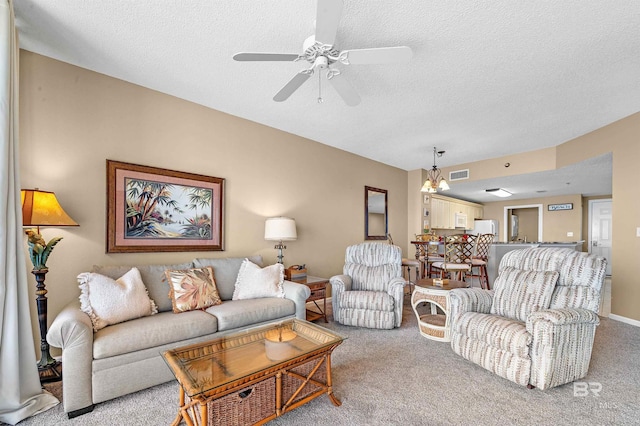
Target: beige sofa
[(126, 357)]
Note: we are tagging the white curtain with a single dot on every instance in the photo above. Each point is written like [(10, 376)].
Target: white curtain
[(21, 395)]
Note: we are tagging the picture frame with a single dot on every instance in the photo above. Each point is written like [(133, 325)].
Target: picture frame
[(150, 209)]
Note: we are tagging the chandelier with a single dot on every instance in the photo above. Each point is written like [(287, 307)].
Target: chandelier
[(434, 179)]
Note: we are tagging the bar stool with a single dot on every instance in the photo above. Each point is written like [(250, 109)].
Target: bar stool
[(480, 259), (411, 263)]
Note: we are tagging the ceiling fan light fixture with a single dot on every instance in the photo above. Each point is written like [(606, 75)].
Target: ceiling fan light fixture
[(320, 52), (499, 192), (435, 181)]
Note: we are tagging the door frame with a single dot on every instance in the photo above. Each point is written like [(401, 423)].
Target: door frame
[(589, 224), (505, 222)]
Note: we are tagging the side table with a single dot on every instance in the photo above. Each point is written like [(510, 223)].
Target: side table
[(434, 325), (318, 287)]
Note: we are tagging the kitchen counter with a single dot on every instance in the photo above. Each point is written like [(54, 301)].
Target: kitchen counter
[(499, 249)]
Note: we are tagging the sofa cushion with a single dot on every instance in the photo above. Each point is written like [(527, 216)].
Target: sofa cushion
[(240, 313), (254, 282), (225, 271), (108, 301), (149, 332), (191, 289), (520, 292), (153, 277), (370, 300), (498, 332)]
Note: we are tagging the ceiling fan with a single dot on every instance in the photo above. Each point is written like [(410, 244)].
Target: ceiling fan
[(320, 52)]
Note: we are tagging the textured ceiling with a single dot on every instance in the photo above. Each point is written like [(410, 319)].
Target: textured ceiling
[(487, 79)]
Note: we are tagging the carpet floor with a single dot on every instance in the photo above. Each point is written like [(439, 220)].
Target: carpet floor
[(398, 377)]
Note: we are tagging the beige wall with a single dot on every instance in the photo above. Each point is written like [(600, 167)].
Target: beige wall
[(622, 140), (555, 224), (72, 120)]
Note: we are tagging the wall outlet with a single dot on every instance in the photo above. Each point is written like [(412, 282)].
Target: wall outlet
[(569, 234), (638, 232)]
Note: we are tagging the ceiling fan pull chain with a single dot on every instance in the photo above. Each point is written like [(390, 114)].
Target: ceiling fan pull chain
[(319, 88)]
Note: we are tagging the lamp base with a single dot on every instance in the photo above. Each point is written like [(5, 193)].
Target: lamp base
[(52, 372)]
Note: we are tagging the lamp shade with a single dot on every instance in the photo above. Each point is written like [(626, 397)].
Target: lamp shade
[(280, 229), (41, 208)]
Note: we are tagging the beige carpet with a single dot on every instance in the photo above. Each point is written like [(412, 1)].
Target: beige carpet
[(398, 377)]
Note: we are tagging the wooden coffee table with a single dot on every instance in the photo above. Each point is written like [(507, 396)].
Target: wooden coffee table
[(253, 376), (434, 325)]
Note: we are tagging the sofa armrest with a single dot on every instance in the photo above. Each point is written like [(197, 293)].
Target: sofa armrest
[(339, 284), (72, 331), (396, 290), (559, 317), (470, 300), (299, 293), (561, 344)]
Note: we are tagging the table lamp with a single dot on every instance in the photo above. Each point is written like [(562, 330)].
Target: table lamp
[(41, 208), (280, 229)]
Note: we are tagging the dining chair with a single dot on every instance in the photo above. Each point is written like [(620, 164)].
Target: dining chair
[(458, 250), (480, 259)]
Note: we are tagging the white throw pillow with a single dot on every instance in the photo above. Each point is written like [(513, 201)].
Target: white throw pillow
[(108, 301), (254, 282)]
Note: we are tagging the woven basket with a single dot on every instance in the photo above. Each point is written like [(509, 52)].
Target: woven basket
[(244, 407)]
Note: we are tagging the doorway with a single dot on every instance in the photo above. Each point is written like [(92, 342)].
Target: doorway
[(600, 227), (521, 221)]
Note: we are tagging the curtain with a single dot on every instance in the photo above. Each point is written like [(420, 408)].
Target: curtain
[(21, 395)]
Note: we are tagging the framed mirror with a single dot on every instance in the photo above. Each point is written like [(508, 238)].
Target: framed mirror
[(375, 214)]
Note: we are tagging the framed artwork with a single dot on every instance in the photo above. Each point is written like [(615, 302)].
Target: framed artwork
[(152, 209)]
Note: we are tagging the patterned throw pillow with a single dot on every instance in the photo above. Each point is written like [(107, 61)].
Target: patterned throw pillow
[(191, 289), (108, 301), (254, 282)]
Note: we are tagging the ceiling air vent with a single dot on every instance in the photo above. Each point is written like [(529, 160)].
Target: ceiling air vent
[(459, 175)]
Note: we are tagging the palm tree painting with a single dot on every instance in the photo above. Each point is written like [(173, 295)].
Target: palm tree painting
[(161, 210)]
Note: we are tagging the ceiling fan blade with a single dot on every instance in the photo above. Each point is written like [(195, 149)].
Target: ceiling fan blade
[(265, 56), (291, 86), (345, 90), (379, 55), (327, 20)]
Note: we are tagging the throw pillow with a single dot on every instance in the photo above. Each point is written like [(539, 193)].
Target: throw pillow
[(520, 292), (108, 301), (254, 282), (191, 289)]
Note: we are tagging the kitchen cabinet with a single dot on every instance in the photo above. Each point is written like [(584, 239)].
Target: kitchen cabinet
[(441, 212)]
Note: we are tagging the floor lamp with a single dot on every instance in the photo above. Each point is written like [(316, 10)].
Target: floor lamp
[(41, 208)]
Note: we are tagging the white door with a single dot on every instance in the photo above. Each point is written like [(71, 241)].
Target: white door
[(600, 229)]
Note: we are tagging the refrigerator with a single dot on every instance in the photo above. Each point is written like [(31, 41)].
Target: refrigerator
[(513, 223), (485, 226)]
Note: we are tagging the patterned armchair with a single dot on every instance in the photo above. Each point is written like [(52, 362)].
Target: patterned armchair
[(371, 290), (536, 327)]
